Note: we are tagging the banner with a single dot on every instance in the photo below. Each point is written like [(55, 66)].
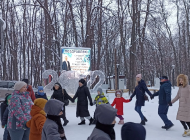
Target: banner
[(75, 59)]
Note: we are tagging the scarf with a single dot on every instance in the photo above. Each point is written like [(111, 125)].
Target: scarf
[(108, 129), (57, 120)]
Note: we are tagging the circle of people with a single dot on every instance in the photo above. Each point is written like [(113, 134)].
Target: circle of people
[(29, 116)]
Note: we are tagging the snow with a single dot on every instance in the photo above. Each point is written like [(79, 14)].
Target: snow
[(153, 126)]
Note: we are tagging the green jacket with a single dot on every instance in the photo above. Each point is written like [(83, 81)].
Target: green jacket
[(100, 99)]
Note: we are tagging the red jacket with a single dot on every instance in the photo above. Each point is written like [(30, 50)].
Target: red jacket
[(31, 92), (119, 104)]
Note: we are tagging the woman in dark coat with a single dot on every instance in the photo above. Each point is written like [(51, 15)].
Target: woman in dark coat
[(82, 103), (140, 90), (61, 95)]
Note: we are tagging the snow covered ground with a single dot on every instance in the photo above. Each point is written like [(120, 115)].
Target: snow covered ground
[(153, 126)]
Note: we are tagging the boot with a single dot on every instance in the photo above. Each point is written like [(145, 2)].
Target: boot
[(94, 122), (163, 127), (145, 119), (91, 121), (65, 122), (188, 132), (142, 122), (170, 126), (121, 122), (82, 123)]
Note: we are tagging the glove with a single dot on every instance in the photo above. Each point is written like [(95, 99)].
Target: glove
[(3, 126), (91, 104), (170, 104), (152, 97), (130, 99)]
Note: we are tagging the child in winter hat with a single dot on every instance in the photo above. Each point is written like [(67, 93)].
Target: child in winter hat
[(38, 119), (133, 131), (118, 101), (100, 98), (40, 93)]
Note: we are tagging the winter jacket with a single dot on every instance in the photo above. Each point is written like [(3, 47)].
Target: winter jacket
[(82, 103), (140, 90), (3, 108), (19, 110), (31, 93), (100, 99), (36, 123), (5, 117), (4, 105), (119, 104), (40, 96), (183, 96), (104, 114), (50, 128), (164, 93), (60, 94)]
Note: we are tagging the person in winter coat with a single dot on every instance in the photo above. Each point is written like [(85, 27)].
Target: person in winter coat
[(82, 103), (140, 90), (40, 93), (4, 118), (183, 96), (118, 101), (53, 129), (100, 98), (133, 131), (38, 119), (164, 100), (61, 95), (105, 115), (19, 112), (30, 90)]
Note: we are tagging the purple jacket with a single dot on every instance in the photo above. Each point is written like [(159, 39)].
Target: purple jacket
[(19, 110)]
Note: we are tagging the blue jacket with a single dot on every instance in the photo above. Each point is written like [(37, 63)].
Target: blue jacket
[(140, 93), (164, 93)]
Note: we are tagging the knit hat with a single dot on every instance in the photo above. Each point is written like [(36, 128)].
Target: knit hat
[(118, 92), (18, 85), (41, 88), (40, 102), (105, 114), (8, 98), (133, 131), (100, 90), (25, 80), (139, 76), (164, 77), (82, 81)]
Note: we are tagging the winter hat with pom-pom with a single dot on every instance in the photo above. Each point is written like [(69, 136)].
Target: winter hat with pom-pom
[(18, 85), (133, 131)]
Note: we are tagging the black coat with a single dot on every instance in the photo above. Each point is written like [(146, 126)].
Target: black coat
[(82, 103), (39, 96), (140, 93), (5, 117), (59, 95)]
